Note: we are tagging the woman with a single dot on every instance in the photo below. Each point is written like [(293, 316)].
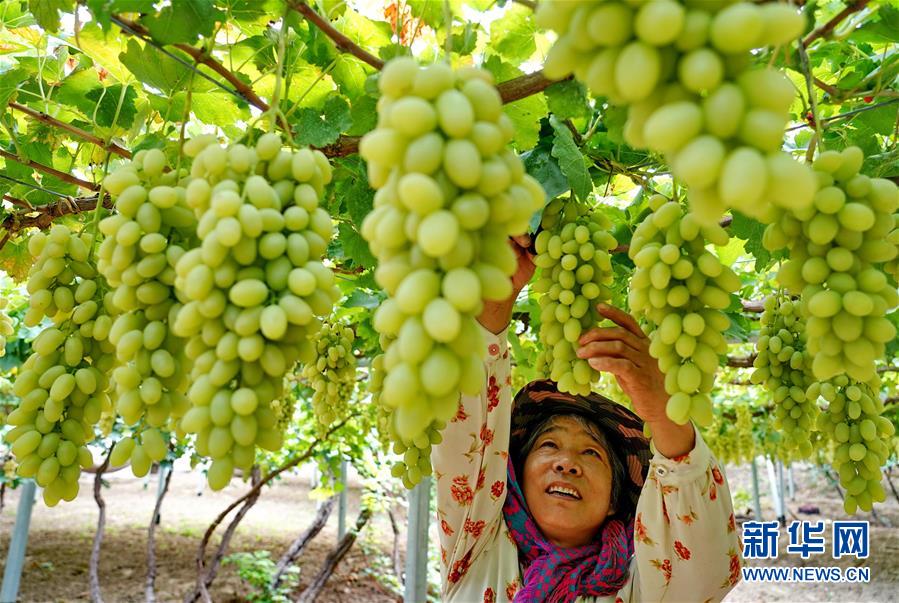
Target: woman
[(543, 499)]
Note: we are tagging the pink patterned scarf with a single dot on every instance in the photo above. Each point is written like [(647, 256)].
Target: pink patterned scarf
[(556, 574)]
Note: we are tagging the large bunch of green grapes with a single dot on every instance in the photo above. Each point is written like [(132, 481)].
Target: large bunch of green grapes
[(782, 364), (837, 250), (415, 453), (682, 288), (149, 232), (63, 384), (449, 195), (332, 373), (6, 326), (252, 291), (575, 274), (853, 421), (683, 71)]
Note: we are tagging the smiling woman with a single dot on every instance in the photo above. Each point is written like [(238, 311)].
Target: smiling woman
[(559, 497)]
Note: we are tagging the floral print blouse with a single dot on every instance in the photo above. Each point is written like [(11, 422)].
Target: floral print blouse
[(685, 537)]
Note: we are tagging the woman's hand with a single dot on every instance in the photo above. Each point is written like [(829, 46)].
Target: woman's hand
[(496, 315), (623, 350)]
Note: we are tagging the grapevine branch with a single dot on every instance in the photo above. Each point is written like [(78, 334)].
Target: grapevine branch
[(240, 89), (826, 29), (343, 43), (297, 547), (150, 586), (42, 217), (46, 169), (94, 565), (78, 132)]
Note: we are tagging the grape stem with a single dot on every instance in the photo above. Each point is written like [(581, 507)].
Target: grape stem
[(78, 132), (826, 29), (46, 169), (812, 98), (342, 42)]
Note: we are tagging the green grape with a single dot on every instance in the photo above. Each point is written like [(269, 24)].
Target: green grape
[(839, 250), (143, 241), (333, 372), (731, 439), (449, 194), (576, 271), (63, 386), (783, 366), (415, 452), (6, 326), (853, 420), (251, 294), (682, 289), (682, 72)]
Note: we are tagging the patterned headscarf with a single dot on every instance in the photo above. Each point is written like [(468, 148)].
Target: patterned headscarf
[(600, 568)]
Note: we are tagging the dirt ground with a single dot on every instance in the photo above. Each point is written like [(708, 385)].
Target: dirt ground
[(59, 546), (60, 542)]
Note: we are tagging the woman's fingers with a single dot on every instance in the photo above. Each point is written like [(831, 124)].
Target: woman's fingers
[(612, 334), (620, 367), (614, 348), (620, 317)]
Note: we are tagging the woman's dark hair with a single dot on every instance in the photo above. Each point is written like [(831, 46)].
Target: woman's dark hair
[(617, 467)]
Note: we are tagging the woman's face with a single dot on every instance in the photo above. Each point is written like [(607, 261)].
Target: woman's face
[(568, 483)]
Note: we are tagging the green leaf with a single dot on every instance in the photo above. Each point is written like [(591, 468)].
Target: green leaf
[(466, 40), (183, 21), (364, 114), (9, 81), (154, 68), (884, 27), (571, 160), (353, 190), (107, 99), (751, 231), (512, 36), (540, 163), (320, 128), (525, 113), (568, 100), (102, 10), (46, 12), (355, 248), (105, 50), (217, 107), (15, 259)]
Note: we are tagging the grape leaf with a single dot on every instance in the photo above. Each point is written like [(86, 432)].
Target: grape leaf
[(183, 21), (571, 160), (106, 101), (567, 100), (525, 113), (512, 35), (9, 81), (154, 68), (540, 163), (320, 128), (15, 259), (751, 231), (466, 40), (46, 12), (355, 248)]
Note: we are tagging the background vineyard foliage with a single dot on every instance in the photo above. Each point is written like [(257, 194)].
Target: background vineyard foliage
[(127, 73)]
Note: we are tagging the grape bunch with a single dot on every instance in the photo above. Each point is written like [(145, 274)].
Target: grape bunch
[(6, 326), (683, 71), (449, 195), (729, 438), (682, 288), (837, 249), (252, 291), (151, 230), (892, 266), (853, 421), (63, 385), (575, 274), (333, 372), (782, 364)]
